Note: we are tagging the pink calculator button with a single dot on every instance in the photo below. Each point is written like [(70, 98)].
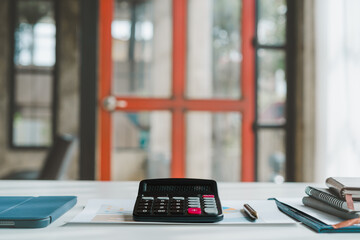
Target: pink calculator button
[(208, 196), (194, 210)]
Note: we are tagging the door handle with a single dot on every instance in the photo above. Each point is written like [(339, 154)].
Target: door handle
[(110, 103)]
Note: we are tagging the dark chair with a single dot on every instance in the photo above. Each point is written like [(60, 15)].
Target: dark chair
[(56, 163)]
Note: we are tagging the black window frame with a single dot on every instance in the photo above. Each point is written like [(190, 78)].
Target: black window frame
[(289, 48), (12, 80)]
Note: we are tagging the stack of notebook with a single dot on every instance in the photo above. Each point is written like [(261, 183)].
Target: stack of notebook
[(341, 198)]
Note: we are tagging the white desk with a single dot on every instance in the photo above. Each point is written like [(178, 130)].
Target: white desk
[(89, 190)]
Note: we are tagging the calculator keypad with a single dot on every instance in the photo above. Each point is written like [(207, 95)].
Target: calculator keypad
[(177, 205)]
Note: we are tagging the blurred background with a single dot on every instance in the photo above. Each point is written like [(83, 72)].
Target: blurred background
[(234, 90)]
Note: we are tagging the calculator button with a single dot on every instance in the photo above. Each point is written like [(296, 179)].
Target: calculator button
[(209, 199), (162, 198), (161, 203), (194, 211), (208, 196), (176, 211), (176, 204), (210, 205), (160, 207), (194, 206), (176, 207), (147, 198), (193, 201), (211, 211), (143, 211), (193, 198), (160, 211), (144, 207), (178, 198)]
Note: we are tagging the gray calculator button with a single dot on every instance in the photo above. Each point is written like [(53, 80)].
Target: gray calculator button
[(212, 211), (147, 198), (163, 198), (193, 198), (178, 198), (210, 205), (209, 200), (194, 205)]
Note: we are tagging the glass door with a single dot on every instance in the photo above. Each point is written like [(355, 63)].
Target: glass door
[(176, 94)]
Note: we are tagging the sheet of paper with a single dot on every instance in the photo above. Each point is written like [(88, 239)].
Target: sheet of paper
[(322, 216), (120, 211)]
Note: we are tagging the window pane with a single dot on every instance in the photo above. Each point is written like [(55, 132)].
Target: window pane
[(271, 22), (271, 155), (271, 86), (214, 55), (213, 146), (32, 116), (34, 86), (32, 127), (141, 145), (141, 48), (34, 60), (35, 33)]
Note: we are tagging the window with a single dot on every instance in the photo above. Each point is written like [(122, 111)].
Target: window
[(271, 90), (32, 73)]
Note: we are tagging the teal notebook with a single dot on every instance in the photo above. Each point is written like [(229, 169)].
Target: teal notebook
[(313, 222), (33, 212)]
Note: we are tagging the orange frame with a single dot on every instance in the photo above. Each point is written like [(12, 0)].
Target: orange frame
[(178, 103)]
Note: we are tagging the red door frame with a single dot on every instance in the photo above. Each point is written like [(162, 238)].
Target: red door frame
[(178, 104), (106, 8)]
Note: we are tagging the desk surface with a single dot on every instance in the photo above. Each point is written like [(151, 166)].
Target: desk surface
[(89, 190)]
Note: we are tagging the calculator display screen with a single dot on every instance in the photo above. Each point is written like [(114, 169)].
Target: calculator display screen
[(177, 188)]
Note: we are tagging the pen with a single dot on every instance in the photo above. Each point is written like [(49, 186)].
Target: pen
[(250, 211)]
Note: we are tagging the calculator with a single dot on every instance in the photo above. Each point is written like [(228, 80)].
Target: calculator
[(178, 200)]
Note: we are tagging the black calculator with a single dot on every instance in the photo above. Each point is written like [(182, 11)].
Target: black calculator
[(178, 200)]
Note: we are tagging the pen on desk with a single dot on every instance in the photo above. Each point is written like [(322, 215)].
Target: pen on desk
[(250, 211)]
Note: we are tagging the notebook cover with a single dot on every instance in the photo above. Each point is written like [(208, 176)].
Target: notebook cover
[(345, 185), (312, 222), (33, 212)]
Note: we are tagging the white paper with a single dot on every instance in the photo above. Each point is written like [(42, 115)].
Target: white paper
[(120, 211)]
